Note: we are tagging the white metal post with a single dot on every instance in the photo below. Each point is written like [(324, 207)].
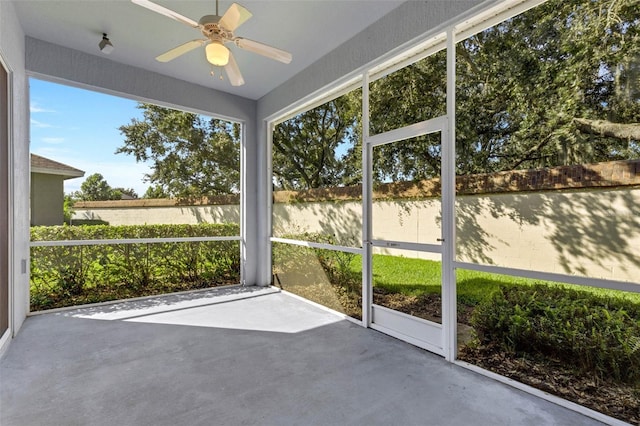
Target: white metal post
[(449, 311), (243, 203), (267, 262), (367, 187)]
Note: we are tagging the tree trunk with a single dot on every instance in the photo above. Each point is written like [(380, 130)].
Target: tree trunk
[(609, 129)]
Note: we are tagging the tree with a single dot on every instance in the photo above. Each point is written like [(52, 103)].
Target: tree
[(312, 149), (528, 87), (96, 188), (155, 191), (128, 192), (558, 84), (67, 208), (191, 155), (555, 85)]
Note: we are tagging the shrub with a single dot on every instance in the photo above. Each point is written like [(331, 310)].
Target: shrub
[(63, 276), (595, 334), (336, 264)]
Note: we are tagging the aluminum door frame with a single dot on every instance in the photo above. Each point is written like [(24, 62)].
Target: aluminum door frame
[(423, 333)]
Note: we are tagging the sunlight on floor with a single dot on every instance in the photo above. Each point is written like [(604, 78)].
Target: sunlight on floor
[(238, 308)]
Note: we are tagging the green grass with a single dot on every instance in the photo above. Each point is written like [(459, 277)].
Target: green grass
[(416, 276)]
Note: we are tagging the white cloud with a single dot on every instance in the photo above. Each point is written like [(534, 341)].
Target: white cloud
[(52, 140), (35, 108), (40, 124)]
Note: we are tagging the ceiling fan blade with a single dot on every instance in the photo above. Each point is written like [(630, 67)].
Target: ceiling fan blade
[(263, 49), (166, 12), (233, 72), (180, 50), (235, 16)]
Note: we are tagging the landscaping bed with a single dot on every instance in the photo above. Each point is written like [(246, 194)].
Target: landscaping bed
[(615, 399), (513, 337)]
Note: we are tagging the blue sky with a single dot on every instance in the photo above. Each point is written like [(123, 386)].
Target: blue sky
[(80, 128)]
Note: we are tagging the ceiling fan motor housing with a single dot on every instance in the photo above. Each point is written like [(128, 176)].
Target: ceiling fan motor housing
[(210, 27)]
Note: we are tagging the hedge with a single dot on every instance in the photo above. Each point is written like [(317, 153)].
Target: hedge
[(595, 334), (60, 273)]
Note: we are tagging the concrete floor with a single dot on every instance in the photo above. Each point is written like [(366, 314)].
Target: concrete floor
[(241, 357)]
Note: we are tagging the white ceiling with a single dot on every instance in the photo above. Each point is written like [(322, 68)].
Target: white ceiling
[(307, 28)]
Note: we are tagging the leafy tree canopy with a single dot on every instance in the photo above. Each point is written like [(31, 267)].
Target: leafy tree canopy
[(190, 155), (558, 84), (155, 191), (96, 188), (311, 150)]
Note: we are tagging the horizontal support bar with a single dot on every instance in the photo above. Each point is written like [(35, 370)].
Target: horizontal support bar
[(72, 243), (354, 250), (551, 276), (434, 125), (403, 245)]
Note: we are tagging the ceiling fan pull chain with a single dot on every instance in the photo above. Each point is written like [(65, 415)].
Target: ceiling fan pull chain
[(213, 73)]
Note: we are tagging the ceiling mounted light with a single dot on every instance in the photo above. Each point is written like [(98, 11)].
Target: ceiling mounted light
[(105, 45), (217, 54)]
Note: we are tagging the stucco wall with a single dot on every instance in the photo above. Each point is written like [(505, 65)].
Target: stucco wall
[(12, 50), (47, 199), (592, 232), (160, 215)]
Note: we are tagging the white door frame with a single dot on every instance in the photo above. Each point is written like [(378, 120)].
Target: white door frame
[(425, 334)]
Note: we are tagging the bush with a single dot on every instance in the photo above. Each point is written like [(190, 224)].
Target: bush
[(64, 276), (336, 264), (591, 333)]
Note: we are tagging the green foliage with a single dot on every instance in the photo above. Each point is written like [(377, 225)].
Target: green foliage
[(337, 264), (191, 156), (346, 282), (318, 148), (64, 276), (127, 192), (155, 191), (67, 208), (522, 83), (96, 188), (522, 87), (598, 335)]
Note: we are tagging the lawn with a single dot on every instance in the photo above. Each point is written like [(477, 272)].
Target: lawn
[(413, 277)]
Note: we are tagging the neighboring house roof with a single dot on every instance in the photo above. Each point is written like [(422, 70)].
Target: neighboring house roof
[(47, 166)]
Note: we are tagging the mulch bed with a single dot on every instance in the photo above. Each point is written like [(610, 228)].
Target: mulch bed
[(614, 399), (425, 306)]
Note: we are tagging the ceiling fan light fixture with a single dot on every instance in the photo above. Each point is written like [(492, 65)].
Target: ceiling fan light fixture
[(217, 54)]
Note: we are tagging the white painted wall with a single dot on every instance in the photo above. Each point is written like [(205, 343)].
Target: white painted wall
[(12, 51)]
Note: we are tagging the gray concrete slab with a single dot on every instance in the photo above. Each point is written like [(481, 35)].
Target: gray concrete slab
[(265, 359)]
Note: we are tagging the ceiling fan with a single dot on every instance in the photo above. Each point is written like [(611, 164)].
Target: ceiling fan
[(218, 31)]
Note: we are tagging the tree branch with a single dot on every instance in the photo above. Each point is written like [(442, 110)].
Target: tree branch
[(609, 129)]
